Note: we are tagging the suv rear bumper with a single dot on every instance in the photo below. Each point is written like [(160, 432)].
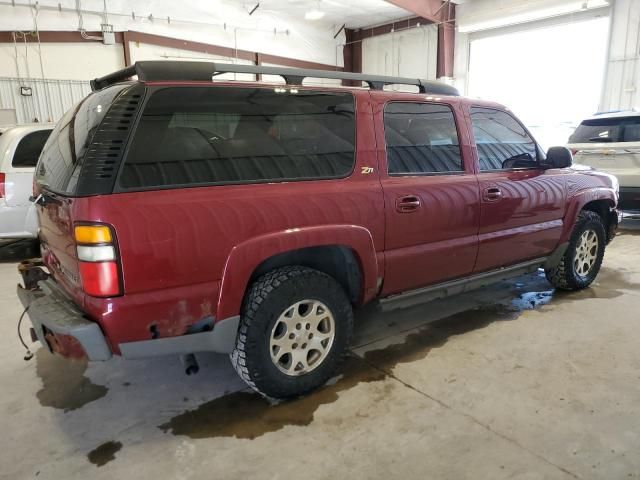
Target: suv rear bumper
[(60, 326)]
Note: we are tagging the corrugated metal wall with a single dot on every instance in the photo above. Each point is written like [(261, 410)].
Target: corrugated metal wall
[(50, 99), (623, 67)]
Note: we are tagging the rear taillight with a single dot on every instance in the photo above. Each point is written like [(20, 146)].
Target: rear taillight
[(2, 177), (98, 259)]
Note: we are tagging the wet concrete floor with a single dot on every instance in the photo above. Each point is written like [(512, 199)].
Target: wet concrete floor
[(511, 381)]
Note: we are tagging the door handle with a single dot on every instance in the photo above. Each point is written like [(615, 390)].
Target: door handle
[(408, 203), (491, 194)]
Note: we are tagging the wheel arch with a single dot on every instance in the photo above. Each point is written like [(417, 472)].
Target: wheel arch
[(345, 252), (338, 261), (600, 201)]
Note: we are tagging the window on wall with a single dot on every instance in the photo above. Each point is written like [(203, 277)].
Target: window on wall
[(501, 141), (421, 138)]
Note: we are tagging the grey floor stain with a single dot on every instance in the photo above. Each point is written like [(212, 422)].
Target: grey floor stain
[(64, 385), (103, 454)]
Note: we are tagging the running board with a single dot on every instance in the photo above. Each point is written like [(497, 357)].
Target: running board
[(454, 287)]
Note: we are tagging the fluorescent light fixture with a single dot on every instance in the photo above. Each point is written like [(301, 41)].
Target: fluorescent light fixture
[(314, 15)]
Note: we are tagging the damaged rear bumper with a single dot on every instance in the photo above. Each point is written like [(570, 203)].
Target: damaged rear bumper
[(60, 326), (63, 328)]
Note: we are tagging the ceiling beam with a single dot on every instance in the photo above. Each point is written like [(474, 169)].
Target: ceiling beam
[(429, 9)]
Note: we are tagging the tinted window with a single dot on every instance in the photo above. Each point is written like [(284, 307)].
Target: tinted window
[(421, 138), (29, 148), (217, 135), (62, 155), (598, 130), (501, 141), (631, 131)]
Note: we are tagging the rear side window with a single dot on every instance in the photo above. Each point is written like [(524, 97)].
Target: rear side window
[(599, 130), (502, 142), (421, 138), (29, 148), (219, 135), (62, 155)]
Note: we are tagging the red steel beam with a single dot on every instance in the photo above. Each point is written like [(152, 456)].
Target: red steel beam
[(129, 36), (55, 37), (443, 13), (429, 9), (211, 49), (446, 42)]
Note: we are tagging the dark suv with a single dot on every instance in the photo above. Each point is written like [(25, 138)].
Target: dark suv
[(181, 215)]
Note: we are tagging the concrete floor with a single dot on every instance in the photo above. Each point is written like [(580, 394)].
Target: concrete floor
[(512, 381)]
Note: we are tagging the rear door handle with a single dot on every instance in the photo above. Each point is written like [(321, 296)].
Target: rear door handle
[(407, 203), (491, 194)]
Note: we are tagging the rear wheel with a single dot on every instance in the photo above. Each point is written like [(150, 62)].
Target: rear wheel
[(582, 260), (296, 325)]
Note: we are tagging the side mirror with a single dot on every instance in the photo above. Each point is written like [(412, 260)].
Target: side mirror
[(558, 157)]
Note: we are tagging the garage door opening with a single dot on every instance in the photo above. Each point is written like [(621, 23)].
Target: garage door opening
[(551, 77)]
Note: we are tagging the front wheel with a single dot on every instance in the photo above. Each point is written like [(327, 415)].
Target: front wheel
[(296, 325), (582, 260)]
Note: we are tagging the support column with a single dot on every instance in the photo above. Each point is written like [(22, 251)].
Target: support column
[(446, 42)]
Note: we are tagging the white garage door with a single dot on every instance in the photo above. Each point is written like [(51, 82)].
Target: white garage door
[(551, 77)]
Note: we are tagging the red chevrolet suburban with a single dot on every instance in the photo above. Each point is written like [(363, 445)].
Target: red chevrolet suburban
[(179, 214)]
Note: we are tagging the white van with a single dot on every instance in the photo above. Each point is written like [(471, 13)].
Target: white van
[(20, 147)]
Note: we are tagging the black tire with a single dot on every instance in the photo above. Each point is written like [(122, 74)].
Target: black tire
[(564, 275), (269, 297)]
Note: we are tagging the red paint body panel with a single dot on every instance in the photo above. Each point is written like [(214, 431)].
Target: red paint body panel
[(439, 240), (523, 224), (189, 253)]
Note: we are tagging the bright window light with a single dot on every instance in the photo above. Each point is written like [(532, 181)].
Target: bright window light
[(551, 78)]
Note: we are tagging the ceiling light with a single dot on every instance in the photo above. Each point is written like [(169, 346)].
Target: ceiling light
[(314, 15)]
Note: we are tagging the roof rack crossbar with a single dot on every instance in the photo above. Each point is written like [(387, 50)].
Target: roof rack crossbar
[(205, 71)]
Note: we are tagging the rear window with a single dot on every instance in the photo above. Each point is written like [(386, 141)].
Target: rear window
[(421, 138), (598, 130), (29, 148), (59, 165), (191, 136)]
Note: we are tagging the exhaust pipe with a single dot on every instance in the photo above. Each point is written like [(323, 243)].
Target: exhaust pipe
[(190, 364)]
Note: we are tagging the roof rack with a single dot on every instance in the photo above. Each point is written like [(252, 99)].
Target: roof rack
[(205, 71)]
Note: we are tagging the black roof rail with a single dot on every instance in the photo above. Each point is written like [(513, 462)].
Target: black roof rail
[(205, 71)]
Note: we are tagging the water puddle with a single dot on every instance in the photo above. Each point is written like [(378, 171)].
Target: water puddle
[(248, 415), (103, 454), (64, 385)]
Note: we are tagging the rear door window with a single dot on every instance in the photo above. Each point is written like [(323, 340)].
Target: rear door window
[(421, 138), (597, 131), (190, 136), (29, 148), (59, 165), (603, 130), (502, 142)]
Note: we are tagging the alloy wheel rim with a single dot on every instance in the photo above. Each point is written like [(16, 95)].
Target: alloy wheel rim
[(302, 337), (586, 253)]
